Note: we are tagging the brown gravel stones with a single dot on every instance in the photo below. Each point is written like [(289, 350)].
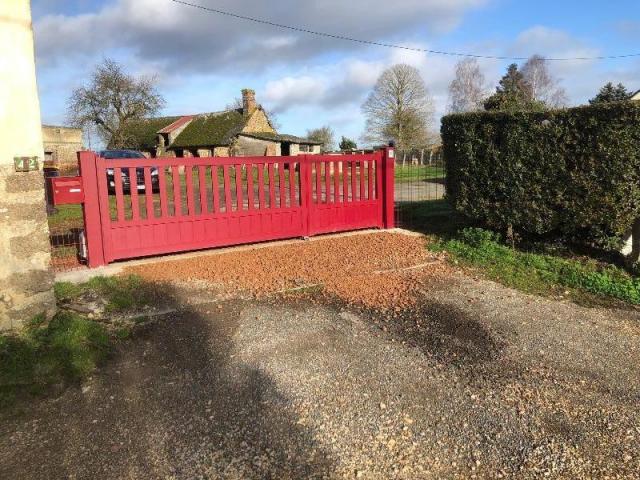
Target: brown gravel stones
[(379, 270)]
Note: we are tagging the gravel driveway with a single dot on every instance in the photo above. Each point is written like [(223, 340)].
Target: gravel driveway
[(474, 380)]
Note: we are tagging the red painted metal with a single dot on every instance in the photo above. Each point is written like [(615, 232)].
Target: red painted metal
[(66, 190), (304, 205), (91, 208)]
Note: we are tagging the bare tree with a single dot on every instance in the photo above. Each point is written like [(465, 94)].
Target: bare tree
[(325, 135), (399, 108), (544, 87), (468, 90), (110, 100)]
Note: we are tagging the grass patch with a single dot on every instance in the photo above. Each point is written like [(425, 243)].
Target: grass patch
[(66, 217), (543, 269), (120, 292), (64, 351), (411, 173), (536, 272)]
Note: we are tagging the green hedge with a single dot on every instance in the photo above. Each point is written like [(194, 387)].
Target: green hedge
[(573, 174)]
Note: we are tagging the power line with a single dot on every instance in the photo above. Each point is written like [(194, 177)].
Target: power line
[(389, 45)]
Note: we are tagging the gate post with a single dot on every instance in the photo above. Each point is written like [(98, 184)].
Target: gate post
[(91, 209), (388, 187)]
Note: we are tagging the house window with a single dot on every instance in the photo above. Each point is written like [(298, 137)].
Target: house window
[(304, 148)]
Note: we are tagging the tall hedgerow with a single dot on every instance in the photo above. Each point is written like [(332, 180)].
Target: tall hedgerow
[(573, 174)]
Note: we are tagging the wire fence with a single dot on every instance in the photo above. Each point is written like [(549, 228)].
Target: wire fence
[(419, 180), (67, 247)]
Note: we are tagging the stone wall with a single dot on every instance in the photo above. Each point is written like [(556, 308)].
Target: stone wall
[(62, 143), (255, 147), (26, 281), (258, 122), (221, 152)]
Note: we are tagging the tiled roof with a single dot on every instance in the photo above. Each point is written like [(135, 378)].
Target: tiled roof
[(177, 124)]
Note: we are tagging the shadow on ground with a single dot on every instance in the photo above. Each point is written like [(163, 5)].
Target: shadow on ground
[(172, 404)]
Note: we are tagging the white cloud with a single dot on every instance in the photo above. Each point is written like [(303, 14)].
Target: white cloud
[(293, 90), (199, 41), (555, 43)]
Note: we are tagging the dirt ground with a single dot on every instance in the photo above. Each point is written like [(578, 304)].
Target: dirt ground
[(468, 379)]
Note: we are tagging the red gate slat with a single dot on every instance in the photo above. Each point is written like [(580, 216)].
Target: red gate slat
[(215, 193), (318, 169), (177, 191), (133, 190), (272, 187), (282, 186), (261, 185), (353, 181), (228, 203), (202, 180), (292, 185), (345, 181), (148, 192), (162, 187), (362, 168), (117, 179), (327, 181), (188, 177), (250, 186), (239, 197), (378, 178), (336, 182), (370, 181)]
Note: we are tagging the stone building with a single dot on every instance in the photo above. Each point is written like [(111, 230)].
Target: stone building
[(61, 145), (26, 281), (245, 131)]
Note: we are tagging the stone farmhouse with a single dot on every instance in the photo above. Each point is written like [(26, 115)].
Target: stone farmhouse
[(245, 131)]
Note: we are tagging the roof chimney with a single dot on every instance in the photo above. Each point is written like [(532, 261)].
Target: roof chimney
[(248, 101)]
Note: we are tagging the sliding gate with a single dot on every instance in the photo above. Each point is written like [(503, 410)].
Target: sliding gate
[(141, 207)]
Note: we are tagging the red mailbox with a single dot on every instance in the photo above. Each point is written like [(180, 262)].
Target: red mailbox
[(66, 190)]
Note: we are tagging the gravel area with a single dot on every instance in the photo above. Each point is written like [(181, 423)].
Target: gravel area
[(381, 270), (468, 380)]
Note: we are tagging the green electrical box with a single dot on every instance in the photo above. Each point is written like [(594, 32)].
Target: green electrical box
[(26, 164)]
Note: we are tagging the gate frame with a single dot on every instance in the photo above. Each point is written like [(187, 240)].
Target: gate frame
[(92, 169)]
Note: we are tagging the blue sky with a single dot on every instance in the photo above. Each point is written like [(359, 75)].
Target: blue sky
[(202, 60)]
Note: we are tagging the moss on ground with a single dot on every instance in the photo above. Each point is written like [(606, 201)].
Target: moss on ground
[(120, 292), (69, 347), (65, 350)]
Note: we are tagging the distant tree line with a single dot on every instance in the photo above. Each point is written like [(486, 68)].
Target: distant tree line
[(531, 87), (399, 108)]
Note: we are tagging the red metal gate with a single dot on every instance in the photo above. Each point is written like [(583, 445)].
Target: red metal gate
[(140, 207)]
